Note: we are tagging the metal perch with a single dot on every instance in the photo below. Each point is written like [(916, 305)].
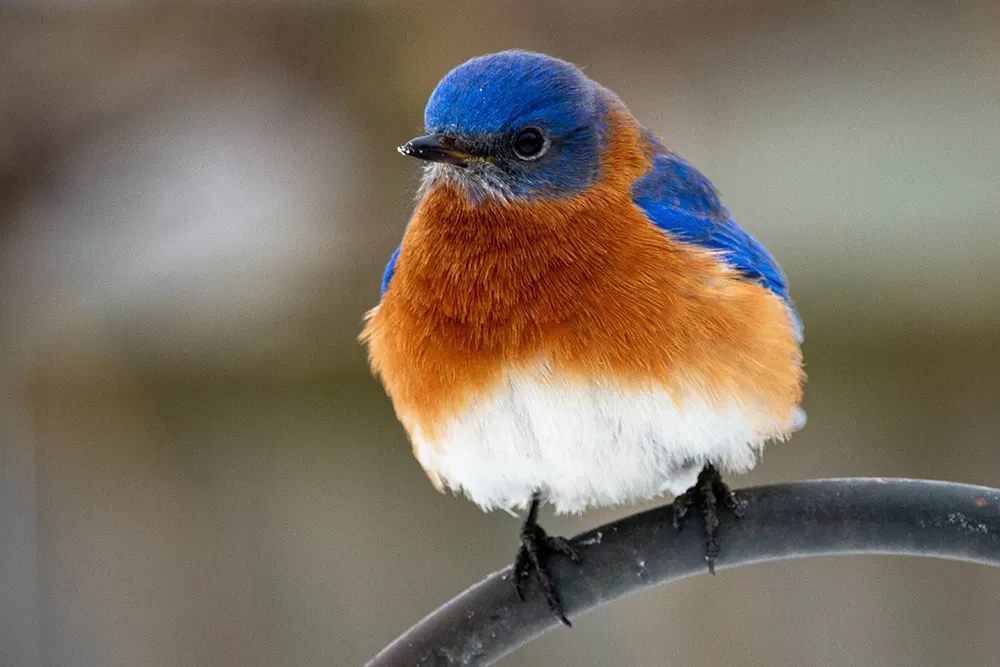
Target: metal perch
[(816, 518)]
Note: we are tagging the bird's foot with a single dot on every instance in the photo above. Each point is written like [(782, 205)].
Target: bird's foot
[(707, 493), (536, 548)]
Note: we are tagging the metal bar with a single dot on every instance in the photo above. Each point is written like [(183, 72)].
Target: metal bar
[(816, 518)]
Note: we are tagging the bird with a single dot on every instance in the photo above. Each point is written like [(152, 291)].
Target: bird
[(572, 316)]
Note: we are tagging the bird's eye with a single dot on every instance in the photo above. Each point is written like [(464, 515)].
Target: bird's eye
[(530, 143)]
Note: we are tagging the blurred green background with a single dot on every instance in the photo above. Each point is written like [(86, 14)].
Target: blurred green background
[(196, 204)]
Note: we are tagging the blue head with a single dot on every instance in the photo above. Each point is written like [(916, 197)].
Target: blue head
[(513, 125)]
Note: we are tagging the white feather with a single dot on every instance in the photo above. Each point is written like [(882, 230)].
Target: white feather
[(592, 444)]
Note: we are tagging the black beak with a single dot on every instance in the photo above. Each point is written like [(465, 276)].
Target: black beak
[(435, 148)]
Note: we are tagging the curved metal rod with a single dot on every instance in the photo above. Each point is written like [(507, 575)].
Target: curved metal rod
[(817, 518)]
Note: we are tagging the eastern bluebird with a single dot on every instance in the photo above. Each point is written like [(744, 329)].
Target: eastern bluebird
[(573, 316)]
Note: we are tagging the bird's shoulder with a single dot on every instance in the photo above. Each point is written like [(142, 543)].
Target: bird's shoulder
[(683, 203)]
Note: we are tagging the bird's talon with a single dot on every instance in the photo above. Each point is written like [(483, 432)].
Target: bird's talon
[(733, 503), (562, 545), (522, 567), (708, 491), (681, 505), (533, 556)]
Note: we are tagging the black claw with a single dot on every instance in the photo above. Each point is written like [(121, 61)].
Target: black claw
[(532, 556), (706, 489), (682, 504), (734, 504), (562, 545), (522, 568), (707, 492)]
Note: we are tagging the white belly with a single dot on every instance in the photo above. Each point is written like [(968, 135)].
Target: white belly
[(591, 444)]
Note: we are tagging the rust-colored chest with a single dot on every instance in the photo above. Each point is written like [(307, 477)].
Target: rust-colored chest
[(585, 287), (589, 288)]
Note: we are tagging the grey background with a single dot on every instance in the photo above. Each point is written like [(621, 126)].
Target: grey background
[(196, 203)]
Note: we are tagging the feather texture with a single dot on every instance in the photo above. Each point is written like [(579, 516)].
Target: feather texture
[(673, 354), (681, 201)]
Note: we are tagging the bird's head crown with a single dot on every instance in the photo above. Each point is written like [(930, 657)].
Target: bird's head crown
[(513, 125)]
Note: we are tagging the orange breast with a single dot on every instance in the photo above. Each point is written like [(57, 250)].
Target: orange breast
[(587, 284)]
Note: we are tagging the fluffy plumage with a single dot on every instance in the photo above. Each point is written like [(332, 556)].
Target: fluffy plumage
[(590, 442), (678, 199), (591, 324)]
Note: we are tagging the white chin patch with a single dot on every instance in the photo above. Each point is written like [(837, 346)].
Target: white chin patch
[(477, 182), (593, 444)]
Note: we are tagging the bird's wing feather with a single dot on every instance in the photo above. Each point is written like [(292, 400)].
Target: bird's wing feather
[(679, 200), (390, 269)]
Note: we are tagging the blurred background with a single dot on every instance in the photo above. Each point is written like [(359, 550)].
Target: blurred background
[(196, 204)]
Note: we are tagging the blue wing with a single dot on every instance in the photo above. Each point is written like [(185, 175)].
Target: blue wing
[(678, 199), (390, 269)]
